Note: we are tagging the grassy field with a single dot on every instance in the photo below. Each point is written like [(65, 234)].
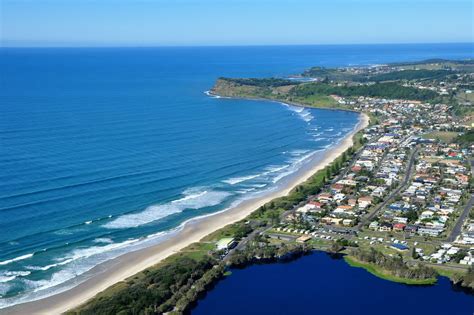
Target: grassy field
[(228, 231), (444, 136), (447, 272), (465, 96), (319, 101), (383, 274), (438, 66), (198, 250)]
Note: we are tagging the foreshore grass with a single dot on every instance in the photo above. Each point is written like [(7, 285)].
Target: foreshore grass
[(318, 101), (449, 273), (384, 274)]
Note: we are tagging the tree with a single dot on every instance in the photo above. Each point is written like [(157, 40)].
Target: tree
[(335, 247), (344, 157), (274, 217)]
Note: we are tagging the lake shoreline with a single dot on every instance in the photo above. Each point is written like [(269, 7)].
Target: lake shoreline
[(116, 270), (314, 277)]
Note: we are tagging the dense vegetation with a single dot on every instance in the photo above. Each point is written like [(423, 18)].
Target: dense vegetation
[(266, 82), (431, 61), (332, 74), (150, 291), (466, 280), (393, 265), (264, 88), (466, 139), (410, 75), (317, 72), (261, 251), (383, 90), (341, 75)]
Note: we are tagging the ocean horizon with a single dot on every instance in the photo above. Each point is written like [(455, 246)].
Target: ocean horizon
[(109, 150)]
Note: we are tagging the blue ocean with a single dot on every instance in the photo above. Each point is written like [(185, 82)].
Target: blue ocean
[(106, 150)]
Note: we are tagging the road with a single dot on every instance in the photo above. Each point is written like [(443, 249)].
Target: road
[(393, 193), (465, 213), (241, 245)]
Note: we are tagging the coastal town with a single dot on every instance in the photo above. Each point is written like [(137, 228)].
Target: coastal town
[(406, 190), (397, 203)]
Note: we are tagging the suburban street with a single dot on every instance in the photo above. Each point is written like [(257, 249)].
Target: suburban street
[(406, 179), (465, 213)]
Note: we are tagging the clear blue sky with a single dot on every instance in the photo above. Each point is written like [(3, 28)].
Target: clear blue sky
[(232, 22)]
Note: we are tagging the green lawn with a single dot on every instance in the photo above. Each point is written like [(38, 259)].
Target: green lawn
[(465, 96), (227, 231), (319, 101), (444, 136), (196, 251), (447, 272)]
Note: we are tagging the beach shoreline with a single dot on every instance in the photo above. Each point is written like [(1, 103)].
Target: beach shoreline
[(118, 269)]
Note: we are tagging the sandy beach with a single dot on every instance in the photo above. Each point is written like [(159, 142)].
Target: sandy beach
[(120, 268)]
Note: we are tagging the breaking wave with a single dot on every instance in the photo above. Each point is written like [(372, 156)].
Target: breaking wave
[(236, 180), (193, 199), (23, 257), (302, 112), (10, 275)]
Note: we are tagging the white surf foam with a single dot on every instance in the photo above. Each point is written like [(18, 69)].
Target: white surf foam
[(189, 196), (298, 152), (77, 262), (4, 279), (23, 257), (192, 199), (47, 267), (105, 240), (7, 276), (4, 288), (208, 93), (94, 250), (296, 163), (274, 169), (236, 180), (302, 112), (245, 190)]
